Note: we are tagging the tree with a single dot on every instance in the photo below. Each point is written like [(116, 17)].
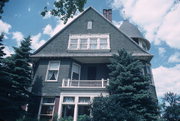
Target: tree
[(171, 107), (15, 82), (109, 109), (65, 8), (2, 3), (130, 87)]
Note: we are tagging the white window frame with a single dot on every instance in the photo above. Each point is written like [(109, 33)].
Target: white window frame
[(48, 104), (88, 37), (79, 70), (48, 72), (89, 25)]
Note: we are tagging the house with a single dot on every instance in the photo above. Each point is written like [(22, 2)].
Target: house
[(71, 68)]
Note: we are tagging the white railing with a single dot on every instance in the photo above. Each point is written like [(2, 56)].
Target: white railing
[(85, 83)]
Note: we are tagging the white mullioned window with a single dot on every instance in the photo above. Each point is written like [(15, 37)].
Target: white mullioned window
[(53, 70), (89, 42), (46, 110)]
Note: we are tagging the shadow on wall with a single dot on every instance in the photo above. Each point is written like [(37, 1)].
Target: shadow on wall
[(35, 98)]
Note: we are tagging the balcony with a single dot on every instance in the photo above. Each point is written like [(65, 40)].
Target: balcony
[(67, 83)]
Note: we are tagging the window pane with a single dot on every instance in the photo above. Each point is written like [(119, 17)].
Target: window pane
[(73, 41), (93, 43), (47, 109), (48, 100), (83, 43), (73, 46), (68, 111), (103, 46), (84, 99), (75, 76), (54, 66), (68, 99), (52, 75), (84, 110), (103, 40)]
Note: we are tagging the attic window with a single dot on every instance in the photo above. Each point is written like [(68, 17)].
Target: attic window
[(89, 42), (89, 25)]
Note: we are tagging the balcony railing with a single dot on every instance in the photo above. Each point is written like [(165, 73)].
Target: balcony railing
[(67, 83)]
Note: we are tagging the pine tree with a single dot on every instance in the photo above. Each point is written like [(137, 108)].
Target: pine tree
[(130, 86), (21, 71), (15, 81)]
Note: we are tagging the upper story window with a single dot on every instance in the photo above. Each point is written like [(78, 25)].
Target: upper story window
[(89, 25), (89, 42), (76, 70), (52, 72)]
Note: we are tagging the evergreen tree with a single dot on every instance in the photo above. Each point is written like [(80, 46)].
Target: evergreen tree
[(131, 87), (15, 81)]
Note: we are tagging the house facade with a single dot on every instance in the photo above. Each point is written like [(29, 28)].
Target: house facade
[(70, 70)]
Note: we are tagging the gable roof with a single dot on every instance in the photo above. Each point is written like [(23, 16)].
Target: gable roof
[(90, 8)]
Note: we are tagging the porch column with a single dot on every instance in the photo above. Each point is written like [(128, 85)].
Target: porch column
[(76, 109)]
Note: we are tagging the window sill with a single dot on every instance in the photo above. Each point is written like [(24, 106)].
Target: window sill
[(50, 81), (88, 50)]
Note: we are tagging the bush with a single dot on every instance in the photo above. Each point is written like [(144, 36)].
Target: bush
[(84, 118)]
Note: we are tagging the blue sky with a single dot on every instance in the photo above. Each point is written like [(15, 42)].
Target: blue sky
[(158, 20)]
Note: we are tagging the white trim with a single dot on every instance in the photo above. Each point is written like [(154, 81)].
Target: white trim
[(88, 37), (46, 80)]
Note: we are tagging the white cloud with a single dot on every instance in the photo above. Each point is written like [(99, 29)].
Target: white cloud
[(161, 51), (117, 23), (36, 42), (18, 36), (159, 18), (48, 30), (8, 51), (4, 27), (174, 58), (167, 79)]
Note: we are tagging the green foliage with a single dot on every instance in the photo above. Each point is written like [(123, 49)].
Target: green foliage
[(171, 107), (15, 81), (84, 118), (65, 8), (109, 109), (129, 91), (67, 119)]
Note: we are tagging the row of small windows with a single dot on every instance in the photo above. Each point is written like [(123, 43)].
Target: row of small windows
[(88, 42)]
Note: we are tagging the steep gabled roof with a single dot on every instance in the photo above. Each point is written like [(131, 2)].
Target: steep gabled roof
[(143, 52)]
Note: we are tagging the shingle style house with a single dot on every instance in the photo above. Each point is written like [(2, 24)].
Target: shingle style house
[(71, 68)]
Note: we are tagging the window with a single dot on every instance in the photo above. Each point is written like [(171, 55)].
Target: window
[(52, 73), (103, 43), (89, 42), (47, 108), (89, 25), (76, 69), (84, 99), (73, 43), (68, 99), (93, 43), (83, 44)]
